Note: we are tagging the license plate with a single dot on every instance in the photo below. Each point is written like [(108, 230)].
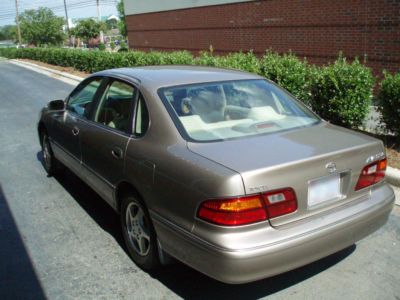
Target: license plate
[(324, 189)]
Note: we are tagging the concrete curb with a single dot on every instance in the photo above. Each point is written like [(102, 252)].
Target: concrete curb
[(393, 176), (47, 71)]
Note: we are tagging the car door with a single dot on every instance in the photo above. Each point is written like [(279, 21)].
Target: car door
[(106, 136), (66, 128)]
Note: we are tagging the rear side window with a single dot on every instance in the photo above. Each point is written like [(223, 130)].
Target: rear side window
[(116, 105), (142, 117)]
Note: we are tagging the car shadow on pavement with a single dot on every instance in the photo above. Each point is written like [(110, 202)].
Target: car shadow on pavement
[(179, 278), (18, 279), (190, 284), (90, 201)]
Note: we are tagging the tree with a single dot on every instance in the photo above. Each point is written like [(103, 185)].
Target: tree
[(41, 27), (112, 24), (121, 14), (8, 32), (88, 29)]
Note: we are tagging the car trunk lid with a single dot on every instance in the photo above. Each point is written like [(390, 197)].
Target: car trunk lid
[(297, 158)]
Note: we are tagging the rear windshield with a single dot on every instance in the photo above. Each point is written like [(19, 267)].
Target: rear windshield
[(234, 109)]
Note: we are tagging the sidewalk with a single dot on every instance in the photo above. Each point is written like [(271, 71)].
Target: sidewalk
[(63, 76)]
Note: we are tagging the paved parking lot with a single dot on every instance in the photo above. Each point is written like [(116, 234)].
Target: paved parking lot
[(59, 240)]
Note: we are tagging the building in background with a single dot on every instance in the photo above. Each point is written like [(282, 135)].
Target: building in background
[(316, 29)]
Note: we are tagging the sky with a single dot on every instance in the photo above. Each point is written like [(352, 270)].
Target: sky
[(76, 8)]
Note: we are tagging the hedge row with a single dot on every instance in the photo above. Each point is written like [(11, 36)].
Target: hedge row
[(340, 92)]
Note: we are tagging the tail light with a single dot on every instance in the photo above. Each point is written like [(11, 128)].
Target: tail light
[(280, 202), (371, 174), (238, 211), (248, 209)]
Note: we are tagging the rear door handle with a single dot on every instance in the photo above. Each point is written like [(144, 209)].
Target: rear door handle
[(117, 153), (75, 131)]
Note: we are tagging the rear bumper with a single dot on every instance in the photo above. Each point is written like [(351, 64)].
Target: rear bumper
[(317, 240)]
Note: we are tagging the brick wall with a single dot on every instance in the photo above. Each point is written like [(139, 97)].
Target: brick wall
[(316, 29)]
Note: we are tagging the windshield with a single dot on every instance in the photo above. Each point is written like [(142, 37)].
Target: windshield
[(234, 109)]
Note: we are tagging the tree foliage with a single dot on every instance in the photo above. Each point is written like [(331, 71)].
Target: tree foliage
[(112, 24), (88, 29), (41, 27), (121, 13), (8, 32)]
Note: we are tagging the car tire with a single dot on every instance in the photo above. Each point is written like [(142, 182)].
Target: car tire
[(139, 234), (50, 163)]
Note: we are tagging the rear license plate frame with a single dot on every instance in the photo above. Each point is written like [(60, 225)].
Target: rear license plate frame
[(324, 185)]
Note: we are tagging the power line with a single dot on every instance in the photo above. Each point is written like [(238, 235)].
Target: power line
[(9, 13)]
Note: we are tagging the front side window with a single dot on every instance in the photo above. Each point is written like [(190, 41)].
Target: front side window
[(234, 109), (115, 106), (81, 100)]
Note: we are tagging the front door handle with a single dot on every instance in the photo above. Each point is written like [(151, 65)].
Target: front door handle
[(117, 153), (75, 131)]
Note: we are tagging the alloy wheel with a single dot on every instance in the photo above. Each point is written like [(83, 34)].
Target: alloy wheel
[(46, 153), (137, 229)]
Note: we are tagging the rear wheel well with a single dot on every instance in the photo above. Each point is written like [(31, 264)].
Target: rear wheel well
[(123, 189)]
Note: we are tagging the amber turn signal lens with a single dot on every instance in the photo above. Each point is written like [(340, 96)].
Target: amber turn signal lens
[(231, 212)]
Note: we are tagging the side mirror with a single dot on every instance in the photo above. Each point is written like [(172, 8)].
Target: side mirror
[(56, 105)]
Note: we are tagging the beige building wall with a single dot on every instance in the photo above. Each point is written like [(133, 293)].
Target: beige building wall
[(134, 7)]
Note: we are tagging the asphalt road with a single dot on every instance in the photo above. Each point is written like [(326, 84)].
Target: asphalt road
[(59, 240)]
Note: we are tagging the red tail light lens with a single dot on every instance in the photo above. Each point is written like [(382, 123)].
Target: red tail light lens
[(231, 212), (249, 209), (371, 174), (280, 202)]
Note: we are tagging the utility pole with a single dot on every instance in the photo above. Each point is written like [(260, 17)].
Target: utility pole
[(98, 10), (66, 18), (99, 19), (66, 15), (17, 20)]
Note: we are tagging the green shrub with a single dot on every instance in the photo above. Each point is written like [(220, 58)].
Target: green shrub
[(289, 72), (178, 58), (112, 45), (102, 47), (123, 45), (206, 58), (389, 102), (240, 61), (342, 92)]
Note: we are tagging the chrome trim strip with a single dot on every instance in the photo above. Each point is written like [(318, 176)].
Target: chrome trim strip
[(64, 150), (97, 175)]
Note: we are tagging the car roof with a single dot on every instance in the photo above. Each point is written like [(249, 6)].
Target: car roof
[(155, 77)]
